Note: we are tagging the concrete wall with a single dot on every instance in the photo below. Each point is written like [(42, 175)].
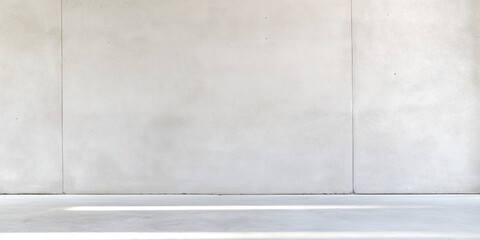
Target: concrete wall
[(30, 97), (207, 96), (417, 96), (229, 96)]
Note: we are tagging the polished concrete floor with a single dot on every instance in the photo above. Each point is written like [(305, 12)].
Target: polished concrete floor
[(239, 217)]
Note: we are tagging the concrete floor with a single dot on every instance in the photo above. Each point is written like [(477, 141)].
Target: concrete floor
[(239, 217)]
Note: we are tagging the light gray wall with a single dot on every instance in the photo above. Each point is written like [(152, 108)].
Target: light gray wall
[(230, 96), (417, 96), (30, 97), (207, 96)]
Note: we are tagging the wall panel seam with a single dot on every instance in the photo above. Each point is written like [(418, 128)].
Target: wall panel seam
[(61, 85), (353, 112)]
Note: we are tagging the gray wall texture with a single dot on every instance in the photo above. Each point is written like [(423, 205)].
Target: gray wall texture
[(30, 97), (239, 97)]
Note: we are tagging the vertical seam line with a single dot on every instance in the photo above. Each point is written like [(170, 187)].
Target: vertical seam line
[(353, 112), (61, 85)]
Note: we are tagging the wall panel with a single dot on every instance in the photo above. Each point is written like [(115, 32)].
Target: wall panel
[(207, 96), (417, 96), (30, 97)]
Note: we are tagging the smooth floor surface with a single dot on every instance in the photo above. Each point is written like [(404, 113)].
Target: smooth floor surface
[(239, 217)]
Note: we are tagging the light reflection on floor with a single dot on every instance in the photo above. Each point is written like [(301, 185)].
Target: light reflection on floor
[(234, 208)]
